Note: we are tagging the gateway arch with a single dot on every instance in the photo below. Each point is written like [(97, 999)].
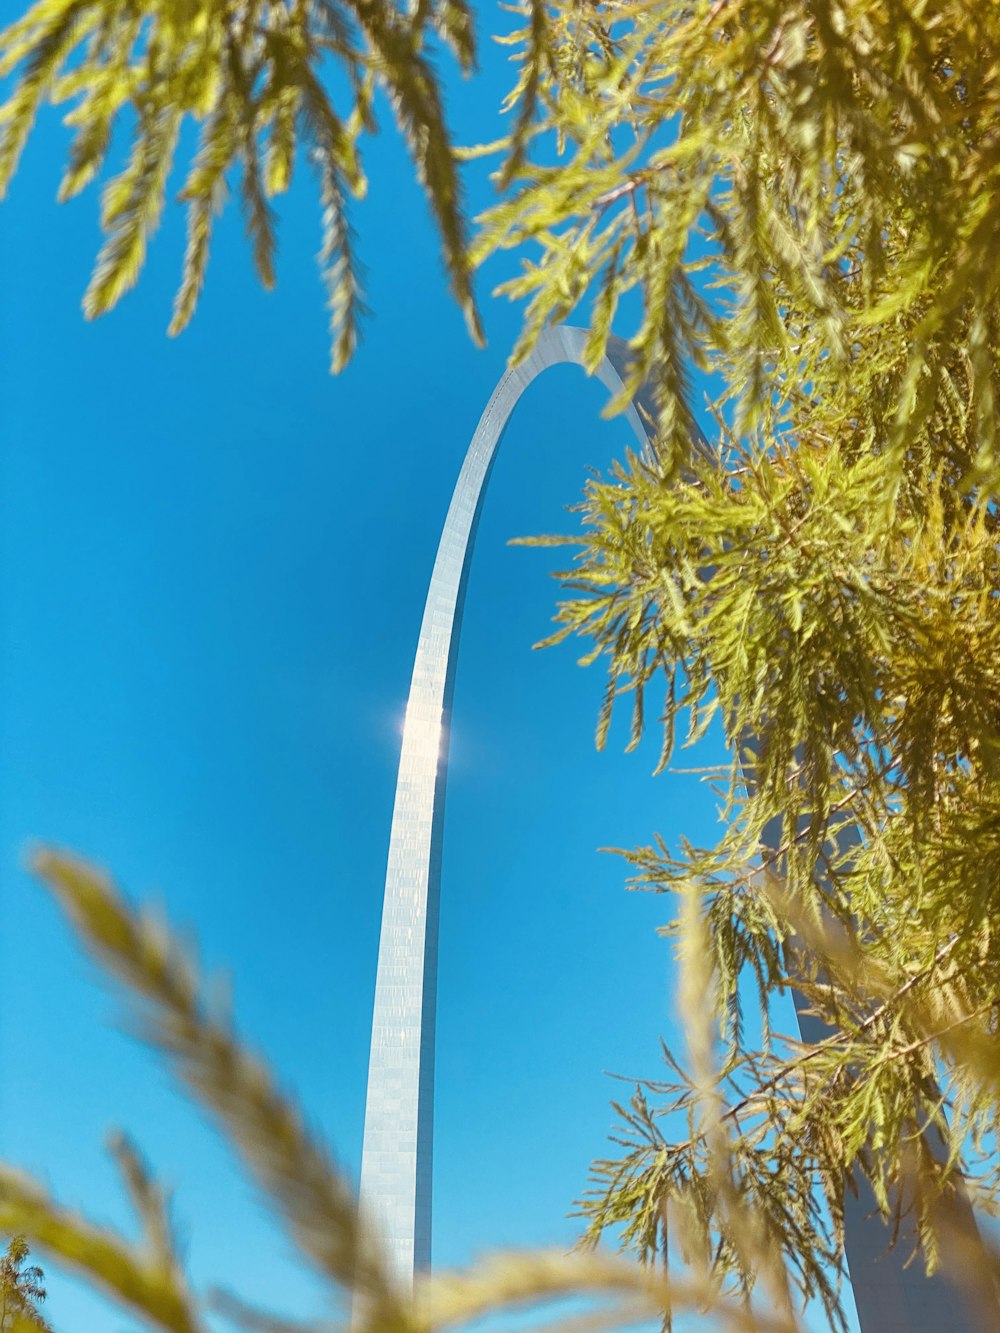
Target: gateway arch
[(396, 1161)]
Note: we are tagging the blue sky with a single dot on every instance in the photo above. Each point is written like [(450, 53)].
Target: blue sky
[(213, 567)]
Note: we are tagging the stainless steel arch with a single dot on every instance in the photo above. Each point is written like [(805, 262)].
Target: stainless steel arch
[(399, 1112), (396, 1160)]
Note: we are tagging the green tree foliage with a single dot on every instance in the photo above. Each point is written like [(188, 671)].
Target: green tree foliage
[(804, 197), (802, 194), (21, 1290), (801, 200), (254, 75)]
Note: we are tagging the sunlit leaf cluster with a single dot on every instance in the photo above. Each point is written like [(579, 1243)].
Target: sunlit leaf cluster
[(779, 190), (799, 200), (268, 82), (848, 648)]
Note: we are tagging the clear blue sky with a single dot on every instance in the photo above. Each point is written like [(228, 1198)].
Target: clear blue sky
[(213, 565)]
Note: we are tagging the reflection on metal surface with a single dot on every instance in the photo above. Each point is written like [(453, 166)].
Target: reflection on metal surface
[(396, 1157)]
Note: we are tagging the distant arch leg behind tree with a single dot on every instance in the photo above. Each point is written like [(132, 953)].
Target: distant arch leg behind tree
[(396, 1161)]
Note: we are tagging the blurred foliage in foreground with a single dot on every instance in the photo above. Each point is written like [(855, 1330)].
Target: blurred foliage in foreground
[(800, 198), (313, 1201), (310, 1196)]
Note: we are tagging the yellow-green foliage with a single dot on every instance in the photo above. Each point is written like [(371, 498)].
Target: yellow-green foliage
[(21, 1290), (805, 199), (252, 74), (800, 198), (802, 194)]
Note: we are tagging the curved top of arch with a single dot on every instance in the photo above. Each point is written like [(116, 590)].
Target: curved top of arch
[(441, 624), (397, 1151)]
